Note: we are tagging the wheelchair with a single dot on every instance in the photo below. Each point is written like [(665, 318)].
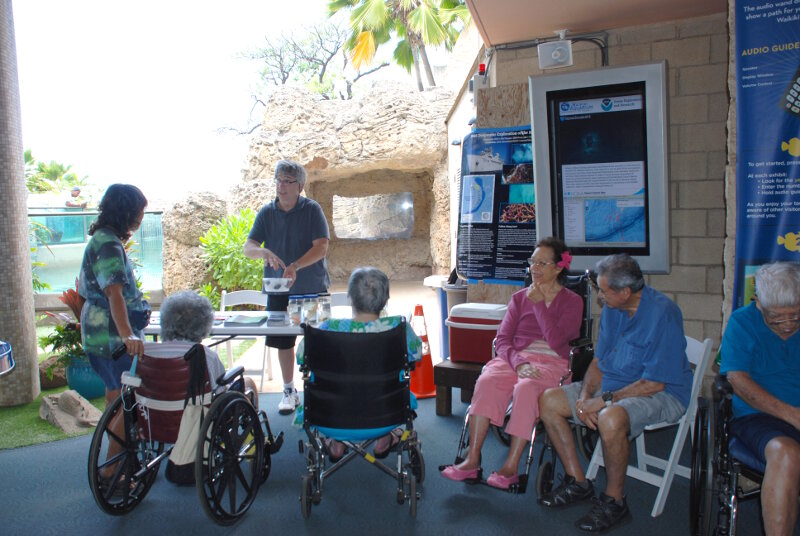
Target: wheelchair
[(719, 462), (581, 355), (357, 390), (235, 442)]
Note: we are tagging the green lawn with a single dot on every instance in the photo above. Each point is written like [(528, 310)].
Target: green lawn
[(21, 426)]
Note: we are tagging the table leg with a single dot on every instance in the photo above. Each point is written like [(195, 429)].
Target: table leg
[(444, 400)]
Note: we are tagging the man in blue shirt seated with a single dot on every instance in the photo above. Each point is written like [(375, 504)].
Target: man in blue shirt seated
[(761, 357), (639, 375)]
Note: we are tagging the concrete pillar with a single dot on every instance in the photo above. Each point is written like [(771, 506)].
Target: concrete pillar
[(16, 291)]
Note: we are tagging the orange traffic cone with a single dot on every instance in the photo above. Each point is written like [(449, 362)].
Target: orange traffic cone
[(422, 376)]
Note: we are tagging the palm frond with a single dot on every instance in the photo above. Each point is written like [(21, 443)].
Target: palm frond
[(363, 50), (404, 55)]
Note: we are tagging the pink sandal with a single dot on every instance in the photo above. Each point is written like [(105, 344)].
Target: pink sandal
[(499, 481), (459, 475)]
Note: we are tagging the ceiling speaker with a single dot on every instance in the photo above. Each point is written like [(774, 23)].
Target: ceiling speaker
[(555, 54)]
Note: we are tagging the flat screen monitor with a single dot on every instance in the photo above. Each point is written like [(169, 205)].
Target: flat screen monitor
[(600, 165)]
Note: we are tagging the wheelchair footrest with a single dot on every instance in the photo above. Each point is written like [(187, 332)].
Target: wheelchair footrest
[(276, 444)]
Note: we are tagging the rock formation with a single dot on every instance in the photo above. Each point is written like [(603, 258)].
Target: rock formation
[(390, 140)]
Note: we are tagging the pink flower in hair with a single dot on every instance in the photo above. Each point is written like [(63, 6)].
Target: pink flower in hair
[(565, 261)]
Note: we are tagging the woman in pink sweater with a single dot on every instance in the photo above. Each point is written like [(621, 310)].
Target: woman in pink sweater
[(532, 348)]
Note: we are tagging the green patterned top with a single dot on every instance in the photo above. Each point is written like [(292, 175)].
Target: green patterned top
[(105, 263)]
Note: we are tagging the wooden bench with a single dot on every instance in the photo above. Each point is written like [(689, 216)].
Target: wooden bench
[(447, 375)]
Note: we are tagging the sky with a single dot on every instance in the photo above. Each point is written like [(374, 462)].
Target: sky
[(135, 91)]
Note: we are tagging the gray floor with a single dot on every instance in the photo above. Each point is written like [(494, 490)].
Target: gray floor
[(45, 491)]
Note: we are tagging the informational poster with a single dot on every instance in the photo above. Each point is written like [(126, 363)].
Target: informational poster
[(768, 138), (497, 214)]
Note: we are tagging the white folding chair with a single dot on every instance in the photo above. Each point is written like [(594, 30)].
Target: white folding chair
[(247, 297), (699, 355)]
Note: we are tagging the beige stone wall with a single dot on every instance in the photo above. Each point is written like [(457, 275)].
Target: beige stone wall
[(696, 52)]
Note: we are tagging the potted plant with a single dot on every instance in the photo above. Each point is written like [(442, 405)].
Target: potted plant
[(65, 341)]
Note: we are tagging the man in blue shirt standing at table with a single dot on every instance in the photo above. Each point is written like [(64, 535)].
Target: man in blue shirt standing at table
[(761, 357), (639, 375), (291, 235)]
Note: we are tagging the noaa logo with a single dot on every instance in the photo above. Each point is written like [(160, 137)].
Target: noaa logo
[(564, 106), (606, 104)]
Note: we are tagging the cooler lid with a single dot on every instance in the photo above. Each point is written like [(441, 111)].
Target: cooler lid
[(491, 311)]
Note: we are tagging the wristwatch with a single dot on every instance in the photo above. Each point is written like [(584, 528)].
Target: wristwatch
[(608, 398)]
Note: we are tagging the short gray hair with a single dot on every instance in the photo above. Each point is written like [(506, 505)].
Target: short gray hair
[(290, 168), (778, 285), (368, 290), (621, 271), (186, 316)]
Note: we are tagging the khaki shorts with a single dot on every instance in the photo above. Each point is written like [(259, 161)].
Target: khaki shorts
[(642, 410)]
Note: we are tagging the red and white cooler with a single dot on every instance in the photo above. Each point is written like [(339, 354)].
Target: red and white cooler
[(472, 327)]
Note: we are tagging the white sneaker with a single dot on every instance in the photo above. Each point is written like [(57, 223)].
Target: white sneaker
[(289, 402)]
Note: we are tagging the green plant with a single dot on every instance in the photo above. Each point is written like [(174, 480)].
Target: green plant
[(65, 339), (212, 293), (38, 232), (222, 250)]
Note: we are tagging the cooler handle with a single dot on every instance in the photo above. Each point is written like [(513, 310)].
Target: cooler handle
[(486, 327)]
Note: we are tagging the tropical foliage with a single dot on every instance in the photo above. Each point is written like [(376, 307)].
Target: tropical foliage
[(65, 339), (222, 247), (411, 25), (42, 177)]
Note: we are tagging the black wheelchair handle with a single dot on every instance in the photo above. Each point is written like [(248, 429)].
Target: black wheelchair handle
[(118, 352)]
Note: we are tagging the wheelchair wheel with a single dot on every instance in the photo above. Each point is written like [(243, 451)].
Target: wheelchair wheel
[(412, 494), (417, 463), (702, 485), (544, 479), (306, 496), (125, 488), (229, 465), (586, 441)]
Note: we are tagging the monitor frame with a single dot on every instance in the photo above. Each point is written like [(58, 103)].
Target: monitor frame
[(653, 75)]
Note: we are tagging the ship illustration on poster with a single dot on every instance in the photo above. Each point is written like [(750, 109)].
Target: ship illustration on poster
[(486, 160)]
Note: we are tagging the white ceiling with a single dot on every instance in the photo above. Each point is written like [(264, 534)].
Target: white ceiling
[(511, 21)]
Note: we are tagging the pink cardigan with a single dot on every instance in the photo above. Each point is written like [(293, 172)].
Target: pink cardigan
[(526, 322)]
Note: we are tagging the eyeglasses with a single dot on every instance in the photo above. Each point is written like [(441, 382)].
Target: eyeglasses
[(771, 322), (284, 182), (538, 264)]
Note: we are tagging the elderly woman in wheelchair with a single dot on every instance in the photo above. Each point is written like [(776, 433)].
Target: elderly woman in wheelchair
[(356, 375), (760, 350), (532, 348), (164, 400)]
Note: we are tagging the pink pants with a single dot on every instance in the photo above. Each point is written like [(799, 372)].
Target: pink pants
[(499, 384)]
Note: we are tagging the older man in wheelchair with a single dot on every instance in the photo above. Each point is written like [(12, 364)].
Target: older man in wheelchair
[(164, 400), (356, 377), (761, 358)]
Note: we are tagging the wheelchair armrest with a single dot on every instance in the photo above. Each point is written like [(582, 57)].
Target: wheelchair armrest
[(580, 342), (231, 375), (722, 387)]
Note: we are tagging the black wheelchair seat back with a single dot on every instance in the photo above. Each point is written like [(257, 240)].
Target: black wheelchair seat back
[(357, 380)]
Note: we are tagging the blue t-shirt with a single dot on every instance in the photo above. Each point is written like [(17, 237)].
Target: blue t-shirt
[(289, 235), (750, 346), (649, 345)]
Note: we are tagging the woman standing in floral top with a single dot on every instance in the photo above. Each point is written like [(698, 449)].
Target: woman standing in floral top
[(115, 312), (368, 290)]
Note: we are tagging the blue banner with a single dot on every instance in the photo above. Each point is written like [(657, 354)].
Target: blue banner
[(768, 138)]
